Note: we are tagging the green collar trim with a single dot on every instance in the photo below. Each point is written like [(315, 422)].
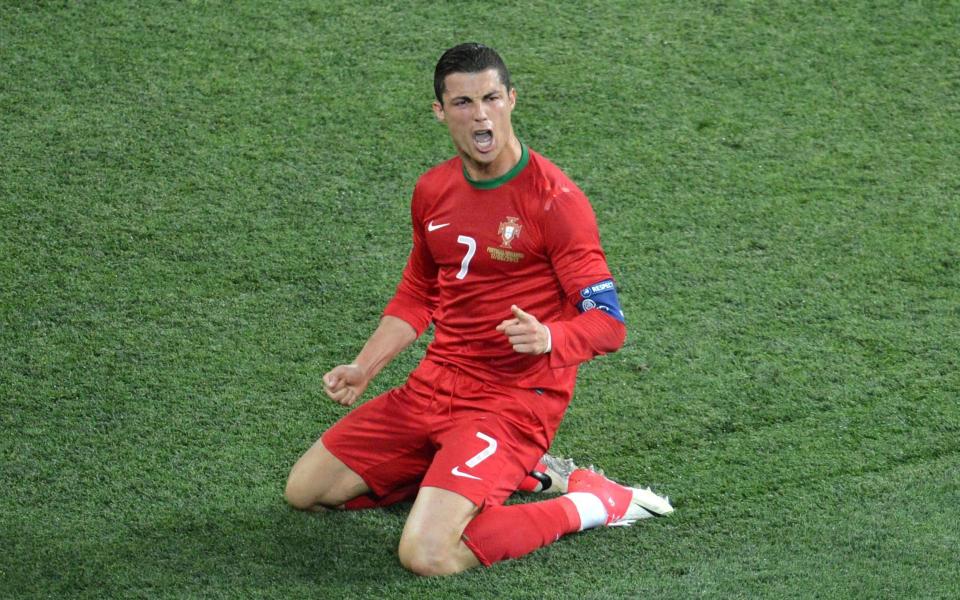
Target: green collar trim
[(489, 184)]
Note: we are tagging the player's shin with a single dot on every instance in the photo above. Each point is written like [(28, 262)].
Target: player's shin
[(502, 532)]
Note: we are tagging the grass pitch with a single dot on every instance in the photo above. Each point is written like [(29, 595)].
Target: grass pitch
[(204, 205)]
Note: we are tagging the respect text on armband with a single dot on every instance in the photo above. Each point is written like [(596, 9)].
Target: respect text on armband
[(601, 295)]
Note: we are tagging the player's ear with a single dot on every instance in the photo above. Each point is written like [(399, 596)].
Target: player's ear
[(438, 111), (512, 95)]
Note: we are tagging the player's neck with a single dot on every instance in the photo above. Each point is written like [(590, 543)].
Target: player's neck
[(506, 160)]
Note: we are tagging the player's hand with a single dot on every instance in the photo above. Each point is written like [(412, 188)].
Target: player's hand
[(345, 384), (525, 333)]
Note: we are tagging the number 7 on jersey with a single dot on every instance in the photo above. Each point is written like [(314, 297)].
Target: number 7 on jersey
[(471, 245)]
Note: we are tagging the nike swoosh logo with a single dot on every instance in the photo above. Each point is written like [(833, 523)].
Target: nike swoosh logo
[(456, 471), (432, 227)]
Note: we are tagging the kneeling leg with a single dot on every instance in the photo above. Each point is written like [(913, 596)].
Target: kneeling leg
[(320, 480)]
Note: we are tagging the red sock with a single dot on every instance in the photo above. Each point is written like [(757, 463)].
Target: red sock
[(501, 532)]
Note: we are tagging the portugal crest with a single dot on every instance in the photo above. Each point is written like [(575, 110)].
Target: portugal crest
[(509, 231)]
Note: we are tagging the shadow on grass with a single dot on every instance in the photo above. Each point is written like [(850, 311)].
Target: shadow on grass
[(268, 548)]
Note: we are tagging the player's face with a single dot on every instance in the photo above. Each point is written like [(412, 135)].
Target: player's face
[(476, 109)]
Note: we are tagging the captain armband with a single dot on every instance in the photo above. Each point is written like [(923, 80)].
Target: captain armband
[(603, 296)]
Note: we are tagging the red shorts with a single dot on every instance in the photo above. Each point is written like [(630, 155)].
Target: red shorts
[(443, 428)]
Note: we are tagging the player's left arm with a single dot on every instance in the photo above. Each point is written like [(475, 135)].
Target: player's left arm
[(591, 333), (578, 259), (598, 329)]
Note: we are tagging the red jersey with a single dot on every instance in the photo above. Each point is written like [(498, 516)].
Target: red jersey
[(528, 238)]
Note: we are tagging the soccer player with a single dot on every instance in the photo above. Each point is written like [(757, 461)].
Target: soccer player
[(507, 264)]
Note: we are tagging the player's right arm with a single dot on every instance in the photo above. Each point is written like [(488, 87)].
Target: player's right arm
[(405, 318), (345, 384), (417, 294)]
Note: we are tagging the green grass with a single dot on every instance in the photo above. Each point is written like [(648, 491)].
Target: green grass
[(204, 205)]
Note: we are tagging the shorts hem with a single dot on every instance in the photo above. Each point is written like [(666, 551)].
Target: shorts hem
[(351, 464), (439, 485)]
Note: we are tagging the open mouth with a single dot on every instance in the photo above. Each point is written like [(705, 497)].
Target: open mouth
[(483, 139)]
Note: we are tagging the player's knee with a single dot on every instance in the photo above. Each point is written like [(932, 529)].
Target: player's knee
[(304, 493), (298, 494), (311, 491), (425, 564), (428, 558)]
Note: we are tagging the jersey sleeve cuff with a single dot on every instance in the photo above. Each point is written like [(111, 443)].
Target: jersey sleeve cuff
[(418, 319)]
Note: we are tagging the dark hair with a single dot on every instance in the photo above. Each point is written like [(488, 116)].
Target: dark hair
[(468, 58)]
